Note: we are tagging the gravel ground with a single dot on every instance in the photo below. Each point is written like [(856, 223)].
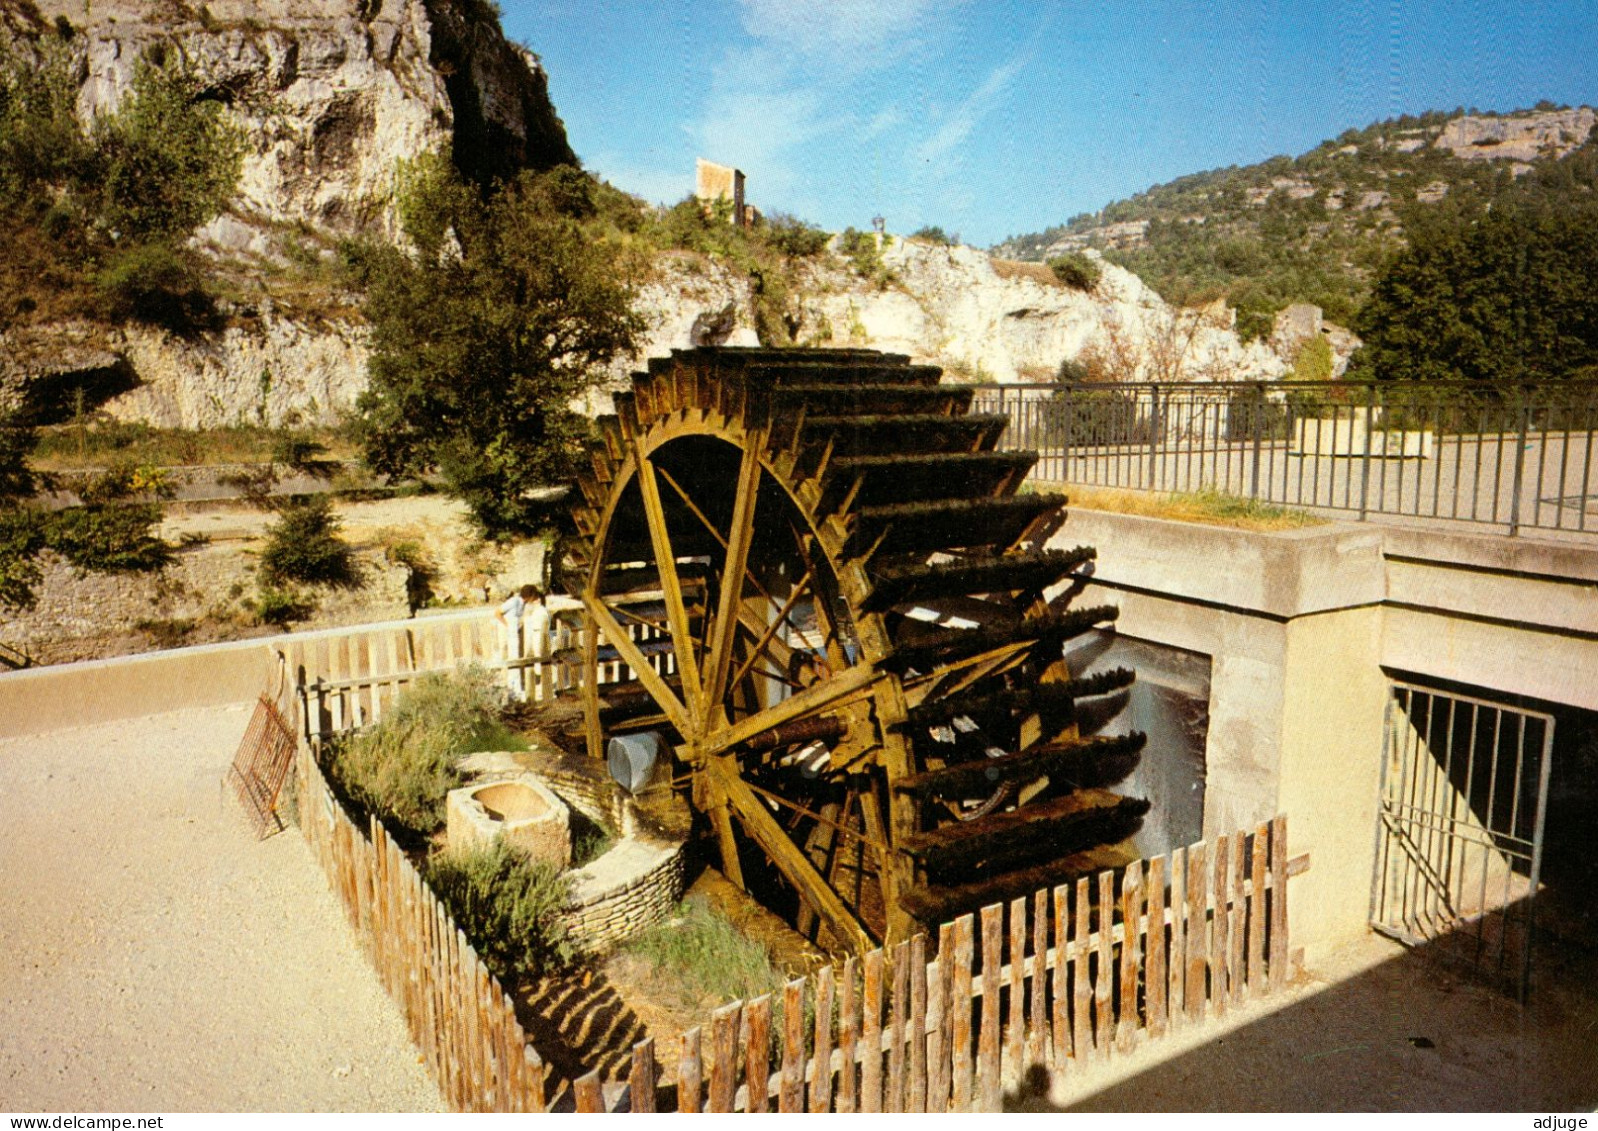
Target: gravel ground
[(158, 958)]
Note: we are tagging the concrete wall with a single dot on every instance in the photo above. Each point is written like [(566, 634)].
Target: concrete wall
[(1302, 630), (128, 687)]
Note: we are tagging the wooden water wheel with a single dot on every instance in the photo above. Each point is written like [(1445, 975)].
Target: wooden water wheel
[(831, 598)]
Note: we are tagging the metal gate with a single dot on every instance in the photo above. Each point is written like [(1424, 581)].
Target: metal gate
[(1460, 832)]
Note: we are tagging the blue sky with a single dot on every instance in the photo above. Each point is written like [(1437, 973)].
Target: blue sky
[(991, 118)]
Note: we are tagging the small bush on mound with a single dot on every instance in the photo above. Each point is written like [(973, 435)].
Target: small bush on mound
[(304, 545), (509, 906), (703, 958), (1076, 271), (402, 768)]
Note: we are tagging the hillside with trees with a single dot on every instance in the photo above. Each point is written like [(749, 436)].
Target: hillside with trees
[(1320, 227)]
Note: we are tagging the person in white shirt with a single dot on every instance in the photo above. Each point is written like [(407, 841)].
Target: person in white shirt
[(522, 618)]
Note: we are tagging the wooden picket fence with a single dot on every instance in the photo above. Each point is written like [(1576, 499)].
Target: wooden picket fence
[(350, 679), (1060, 978), (460, 1017)]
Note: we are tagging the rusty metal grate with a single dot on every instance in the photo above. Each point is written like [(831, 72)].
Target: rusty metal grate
[(1460, 837), (262, 765)]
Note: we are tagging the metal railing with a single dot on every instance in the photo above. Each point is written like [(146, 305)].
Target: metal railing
[(1516, 457)]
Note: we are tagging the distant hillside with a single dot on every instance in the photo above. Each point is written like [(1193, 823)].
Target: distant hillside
[(1316, 228)]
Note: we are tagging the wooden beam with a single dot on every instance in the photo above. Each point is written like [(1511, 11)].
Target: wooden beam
[(786, 855), (658, 690), (771, 630), (815, 698), (739, 538), (671, 585)]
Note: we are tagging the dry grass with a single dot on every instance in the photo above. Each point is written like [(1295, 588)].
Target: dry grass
[(100, 443), (1037, 272), (1211, 508)]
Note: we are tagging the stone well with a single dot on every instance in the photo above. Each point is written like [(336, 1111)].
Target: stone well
[(521, 809)]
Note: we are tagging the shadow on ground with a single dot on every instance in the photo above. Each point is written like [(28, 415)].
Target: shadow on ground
[(1408, 1032)]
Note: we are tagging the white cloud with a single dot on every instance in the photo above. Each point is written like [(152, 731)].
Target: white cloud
[(957, 127), (852, 34)]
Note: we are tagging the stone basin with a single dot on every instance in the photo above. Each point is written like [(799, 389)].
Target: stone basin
[(521, 809)]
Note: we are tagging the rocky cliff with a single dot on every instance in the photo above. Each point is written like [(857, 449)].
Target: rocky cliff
[(332, 94)]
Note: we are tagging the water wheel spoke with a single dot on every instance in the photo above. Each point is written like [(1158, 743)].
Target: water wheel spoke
[(733, 576), (634, 658), (670, 583)]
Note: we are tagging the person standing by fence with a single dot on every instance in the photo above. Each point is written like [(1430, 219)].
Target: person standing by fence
[(523, 619)]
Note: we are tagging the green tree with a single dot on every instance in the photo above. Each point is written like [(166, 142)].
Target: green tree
[(482, 335), (167, 160), (40, 140), (1504, 296)]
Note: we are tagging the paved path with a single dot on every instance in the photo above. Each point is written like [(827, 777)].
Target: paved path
[(158, 958)]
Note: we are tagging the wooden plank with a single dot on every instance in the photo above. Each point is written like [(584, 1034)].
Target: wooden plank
[(757, 821), (791, 1089), (1126, 1025), (690, 1072), (1198, 884), (600, 616), (916, 1100), (1237, 958), (536, 1100), (1220, 939), (1256, 912), (871, 1034), (990, 1037), (1278, 971), (641, 1080), (1154, 981), (938, 1022), (1081, 986), (725, 1024), (1177, 954), (1059, 994), (958, 1001), (589, 1094), (898, 1007), (757, 1053), (821, 1065), (848, 1040), (1104, 976), (740, 536), (671, 585), (1039, 1039), (1015, 1037)]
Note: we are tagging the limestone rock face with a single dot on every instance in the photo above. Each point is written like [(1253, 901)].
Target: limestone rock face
[(1551, 133), (274, 372), (331, 93), (951, 306)]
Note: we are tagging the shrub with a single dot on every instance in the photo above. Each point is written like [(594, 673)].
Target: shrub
[(701, 956), (304, 545), (21, 539), (864, 252), (156, 283), (508, 905), (934, 234), (791, 236), (1076, 271), (167, 160), (402, 767), (280, 607), (110, 537)]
